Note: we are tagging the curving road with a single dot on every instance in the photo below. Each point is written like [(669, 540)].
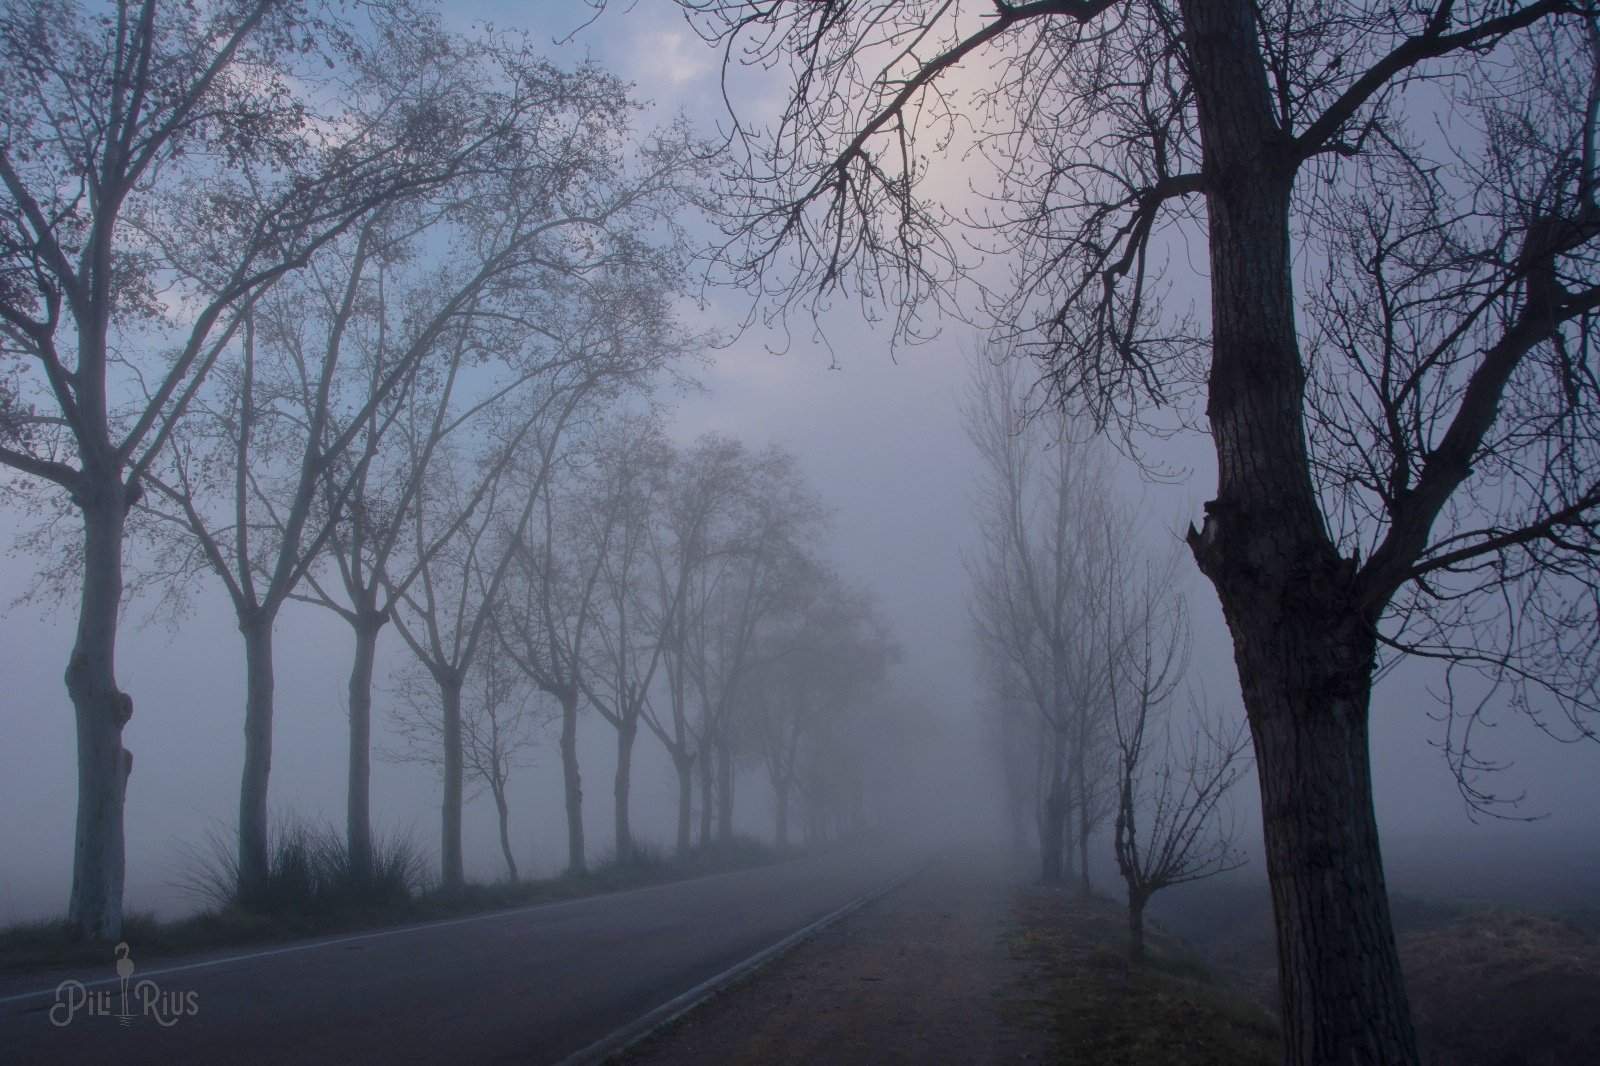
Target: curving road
[(532, 985)]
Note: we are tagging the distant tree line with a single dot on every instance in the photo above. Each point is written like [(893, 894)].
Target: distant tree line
[(1083, 639), (364, 313)]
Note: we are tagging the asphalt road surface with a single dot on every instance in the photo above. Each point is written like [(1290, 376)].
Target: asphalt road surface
[(529, 986)]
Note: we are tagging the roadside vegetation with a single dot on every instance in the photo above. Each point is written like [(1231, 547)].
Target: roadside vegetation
[(310, 892), (1113, 1011), (1489, 985), (1492, 986)]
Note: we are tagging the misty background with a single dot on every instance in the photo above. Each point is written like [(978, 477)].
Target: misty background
[(879, 436)]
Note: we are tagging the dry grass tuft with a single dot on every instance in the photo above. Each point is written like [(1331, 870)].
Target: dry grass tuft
[(1111, 1012)]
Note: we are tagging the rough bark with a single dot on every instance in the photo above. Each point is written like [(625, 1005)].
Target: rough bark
[(572, 782), (627, 732), (254, 858), (358, 795), (451, 873), (100, 711), (1306, 687), (1303, 647)]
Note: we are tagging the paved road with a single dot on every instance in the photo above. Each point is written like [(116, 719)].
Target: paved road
[(526, 986)]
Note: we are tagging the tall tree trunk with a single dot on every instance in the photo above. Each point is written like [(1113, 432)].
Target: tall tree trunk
[(452, 874), (707, 767), (1306, 686), (1053, 816), (627, 732), (1303, 647), (685, 767), (1136, 904), (1050, 836), (100, 711), (782, 789), (573, 783), (1084, 819), (1069, 855), (724, 792), (504, 812), (358, 787), (254, 858)]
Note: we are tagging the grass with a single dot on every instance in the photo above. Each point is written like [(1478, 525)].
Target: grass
[(1489, 985), (309, 873), (1500, 987), (1112, 1012), (310, 893)]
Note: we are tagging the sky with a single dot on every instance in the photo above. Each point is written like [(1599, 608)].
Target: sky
[(879, 434)]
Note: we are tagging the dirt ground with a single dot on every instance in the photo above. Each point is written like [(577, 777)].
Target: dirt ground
[(926, 974), (965, 965)]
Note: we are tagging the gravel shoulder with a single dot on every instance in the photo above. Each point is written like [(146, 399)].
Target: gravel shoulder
[(926, 974)]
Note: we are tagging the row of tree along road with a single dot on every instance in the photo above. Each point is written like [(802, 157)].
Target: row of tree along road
[(359, 312)]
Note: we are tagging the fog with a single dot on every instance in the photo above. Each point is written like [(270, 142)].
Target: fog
[(879, 436)]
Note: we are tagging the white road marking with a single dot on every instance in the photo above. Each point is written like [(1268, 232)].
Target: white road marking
[(648, 1024), (376, 934)]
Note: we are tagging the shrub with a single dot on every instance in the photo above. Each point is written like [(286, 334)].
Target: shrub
[(308, 872)]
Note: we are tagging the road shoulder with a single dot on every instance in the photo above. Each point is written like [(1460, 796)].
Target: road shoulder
[(925, 974)]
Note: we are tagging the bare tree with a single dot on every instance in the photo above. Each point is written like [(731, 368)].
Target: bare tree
[(701, 485), (544, 617), (501, 722), (739, 589), (1043, 588), (466, 534), (807, 675), (133, 137), (1462, 472), (539, 213), (1167, 830), (626, 647), (555, 233)]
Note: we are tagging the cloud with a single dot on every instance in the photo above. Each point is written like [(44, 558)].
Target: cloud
[(670, 57)]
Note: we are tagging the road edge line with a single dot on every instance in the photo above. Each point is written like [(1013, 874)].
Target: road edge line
[(653, 1021), (378, 933)]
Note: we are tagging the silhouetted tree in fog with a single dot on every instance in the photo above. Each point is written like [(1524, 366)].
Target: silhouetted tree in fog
[(1042, 589), (755, 574), (1171, 776), (447, 616), (546, 613), (1398, 209), (501, 720), (702, 485), (137, 143), (625, 650), (501, 281), (828, 657)]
